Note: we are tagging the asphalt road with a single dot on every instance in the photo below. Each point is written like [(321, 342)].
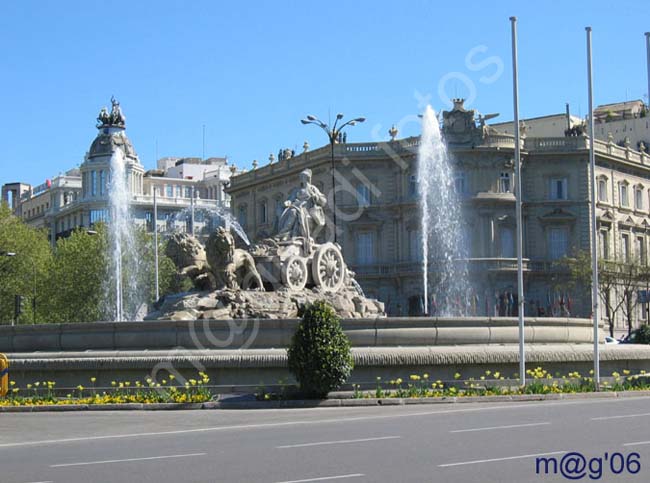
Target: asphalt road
[(445, 443)]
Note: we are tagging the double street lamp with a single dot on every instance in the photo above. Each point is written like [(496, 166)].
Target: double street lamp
[(334, 134)]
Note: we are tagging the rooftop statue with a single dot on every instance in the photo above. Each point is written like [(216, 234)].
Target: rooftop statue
[(114, 118)]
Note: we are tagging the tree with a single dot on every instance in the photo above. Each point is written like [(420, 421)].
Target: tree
[(24, 273), (617, 282), (77, 278)]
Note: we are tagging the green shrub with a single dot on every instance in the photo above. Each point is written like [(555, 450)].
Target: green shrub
[(643, 335), (319, 355)]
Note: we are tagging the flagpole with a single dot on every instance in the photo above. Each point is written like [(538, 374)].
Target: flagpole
[(155, 240), (520, 269), (594, 239)]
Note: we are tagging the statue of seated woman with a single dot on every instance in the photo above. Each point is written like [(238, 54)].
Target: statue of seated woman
[(303, 213)]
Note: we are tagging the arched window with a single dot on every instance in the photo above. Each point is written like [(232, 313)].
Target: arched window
[(602, 189), (638, 197), (242, 215), (263, 212), (623, 194)]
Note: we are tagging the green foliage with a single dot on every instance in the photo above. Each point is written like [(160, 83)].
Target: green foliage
[(76, 288), (642, 335), (71, 282), (319, 355), (26, 273)]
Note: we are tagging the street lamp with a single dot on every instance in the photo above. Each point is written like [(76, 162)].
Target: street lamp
[(333, 135)]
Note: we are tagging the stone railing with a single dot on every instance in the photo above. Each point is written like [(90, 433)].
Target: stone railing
[(579, 143)]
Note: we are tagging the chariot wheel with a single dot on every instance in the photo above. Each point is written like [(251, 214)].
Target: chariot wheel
[(328, 268), (294, 273)]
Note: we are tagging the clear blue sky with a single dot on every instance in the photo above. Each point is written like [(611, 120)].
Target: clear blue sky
[(249, 71)]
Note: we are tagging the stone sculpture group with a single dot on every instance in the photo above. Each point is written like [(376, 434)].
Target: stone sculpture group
[(271, 279)]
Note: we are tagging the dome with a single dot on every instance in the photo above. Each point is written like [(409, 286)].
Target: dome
[(110, 139)]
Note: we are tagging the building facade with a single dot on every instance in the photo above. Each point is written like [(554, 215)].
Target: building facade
[(79, 198), (378, 215)]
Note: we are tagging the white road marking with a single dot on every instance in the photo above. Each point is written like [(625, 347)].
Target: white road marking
[(508, 406), (127, 460), (623, 416), (342, 441), (41, 482), (340, 477), (499, 427), (500, 459), (637, 443)]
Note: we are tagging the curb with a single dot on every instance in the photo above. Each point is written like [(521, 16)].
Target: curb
[(324, 403)]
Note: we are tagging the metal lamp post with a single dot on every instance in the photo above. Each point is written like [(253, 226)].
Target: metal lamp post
[(333, 134)]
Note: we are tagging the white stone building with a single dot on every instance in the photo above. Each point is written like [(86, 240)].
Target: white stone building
[(79, 198)]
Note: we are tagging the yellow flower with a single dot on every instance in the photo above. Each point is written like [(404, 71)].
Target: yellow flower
[(414, 377), (12, 383), (80, 387), (37, 384), (626, 372), (487, 373), (425, 376), (497, 375), (457, 375), (113, 383), (172, 377), (399, 381), (29, 386), (93, 379)]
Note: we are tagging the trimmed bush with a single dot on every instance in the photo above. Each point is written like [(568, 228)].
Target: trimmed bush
[(643, 335), (319, 355)]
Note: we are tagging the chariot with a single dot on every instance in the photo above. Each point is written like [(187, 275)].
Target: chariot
[(296, 264)]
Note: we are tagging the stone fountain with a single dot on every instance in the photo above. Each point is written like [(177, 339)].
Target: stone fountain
[(271, 279)]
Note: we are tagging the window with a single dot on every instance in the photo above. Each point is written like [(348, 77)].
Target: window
[(602, 190), (242, 216), (93, 183), (169, 191), (559, 189), (625, 247), (558, 243), (504, 183), (623, 195), (363, 195), (148, 218), (188, 192), (415, 245), (413, 186), (263, 212), (507, 240), (640, 250), (279, 206), (459, 182), (97, 216), (102, 182), (638, 198), (365, 248), (179, 191), (603, 246)]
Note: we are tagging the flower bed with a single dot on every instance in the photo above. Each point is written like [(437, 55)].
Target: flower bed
[(45, 393), (539, 381)]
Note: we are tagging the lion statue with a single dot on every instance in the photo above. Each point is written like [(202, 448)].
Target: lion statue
[(190, 259), (232, 267)]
